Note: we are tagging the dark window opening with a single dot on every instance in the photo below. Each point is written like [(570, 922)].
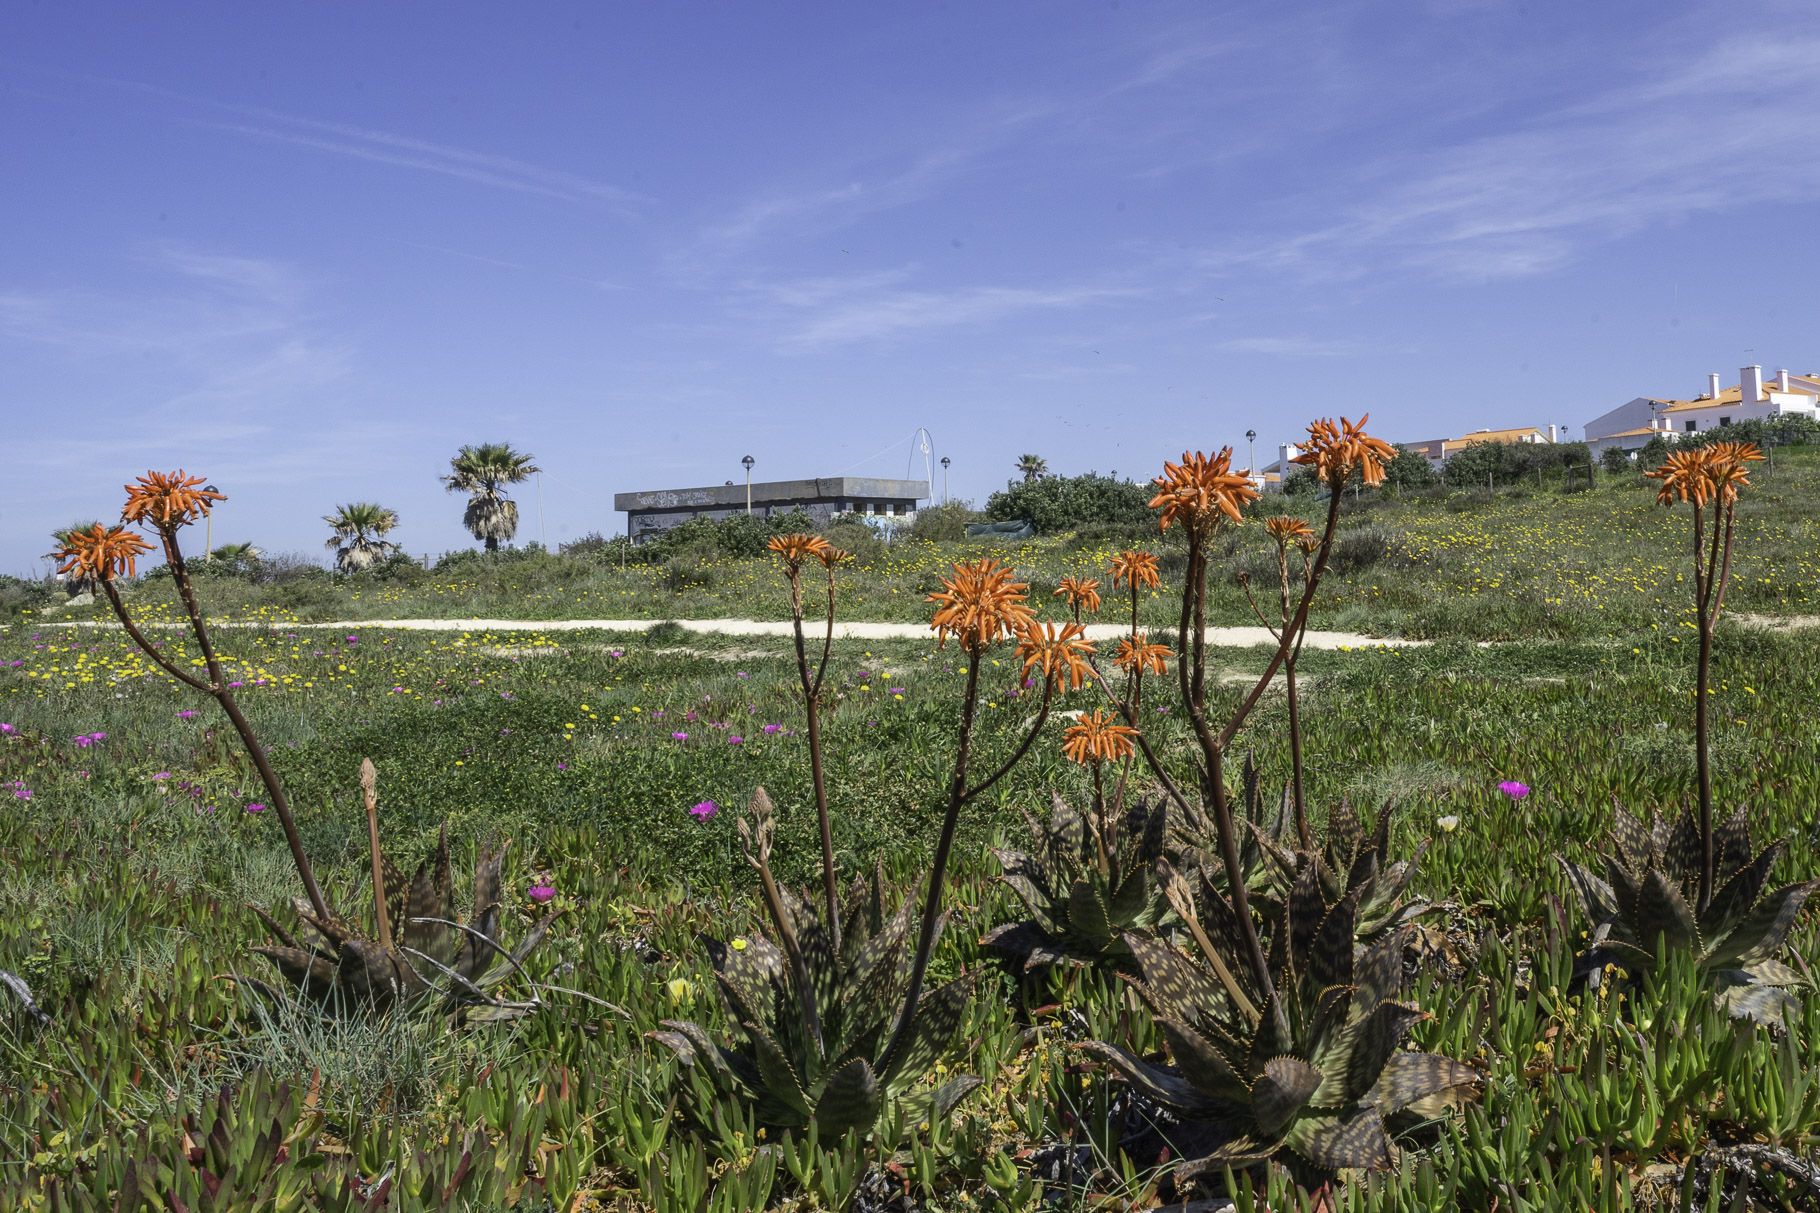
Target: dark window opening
[(1691, 426), (1725, 421)]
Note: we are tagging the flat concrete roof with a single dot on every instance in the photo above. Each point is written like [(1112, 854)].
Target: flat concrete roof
[(723, 496)]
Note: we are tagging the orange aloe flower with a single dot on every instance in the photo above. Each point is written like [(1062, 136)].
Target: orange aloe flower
[(1136, 655), (795, 549), (101, 553), (1287, 530), (1083, 593), (1335, 452), (830, 555), (978, 605), (1060, 657), (1097, 737), (168, 500), (1136, 569), (1199, 490), (1728, 471), (1685, 477)]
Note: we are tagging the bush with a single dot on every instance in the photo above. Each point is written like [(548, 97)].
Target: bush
[(306, 597), (943, 523), (693, 565), (1365, 547), (1615, 460), (1409, 470), (18, 596), (866, 545), (742, 535), (1064, 503)]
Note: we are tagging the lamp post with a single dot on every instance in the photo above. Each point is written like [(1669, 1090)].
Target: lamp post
[(747, 461), (944, 480), (208, 531), (1251, 452)]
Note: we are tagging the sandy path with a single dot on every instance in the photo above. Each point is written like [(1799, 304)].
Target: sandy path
[(1225, 637)]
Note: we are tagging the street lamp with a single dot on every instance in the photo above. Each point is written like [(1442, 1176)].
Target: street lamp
[(1251, 457), (208, 531), (944, 480), (747, 461)]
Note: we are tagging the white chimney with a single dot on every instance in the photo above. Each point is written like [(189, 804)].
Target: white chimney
[(1712, 386), (1750, 384), (1551, 433), (1782, 381)]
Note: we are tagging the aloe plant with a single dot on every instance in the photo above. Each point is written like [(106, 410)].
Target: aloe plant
[(417, 940), (1306, 1070), (1089, 879), (813, 1021), (1649, 903)]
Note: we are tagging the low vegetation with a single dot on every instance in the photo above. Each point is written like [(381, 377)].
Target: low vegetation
[(879, 964)]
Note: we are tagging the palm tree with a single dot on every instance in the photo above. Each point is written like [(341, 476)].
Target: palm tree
[(1033, 467), (481, 472), (359, 539)]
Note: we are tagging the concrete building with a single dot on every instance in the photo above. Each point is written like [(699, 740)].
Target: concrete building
[(650, 514), (1753, 398)]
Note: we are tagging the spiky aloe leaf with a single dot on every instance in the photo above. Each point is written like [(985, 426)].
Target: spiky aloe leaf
[(1735, 898), (1768, 1005), (1307, 906), (1631, 838), (1067, 830), (1028, 880), (1281, 1091), (429, 897), (1597, 901), (1409, 1077), (1684, 853), (849, 1101), (1377, 970), (775, 1071), (308, 971), (1169, 1089), (1088, 917), (1762, 932), (1370, 1043), (1359, 1143), (1200, 1062), (938, 1017), (1731, 844), (1178, 987), (1330, 952), (1663, 913)]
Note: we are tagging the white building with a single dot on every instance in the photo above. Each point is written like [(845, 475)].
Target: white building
[(1632, 424)]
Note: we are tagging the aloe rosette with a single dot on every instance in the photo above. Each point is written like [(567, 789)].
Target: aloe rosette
[(819, 1056), (1309, 1074), (1088, 881), (1649, 902)]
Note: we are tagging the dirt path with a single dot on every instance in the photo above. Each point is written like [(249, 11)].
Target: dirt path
[(1224, 637)]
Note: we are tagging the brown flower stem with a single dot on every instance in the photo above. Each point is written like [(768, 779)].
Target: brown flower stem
[(113, 596), (793, 951), (369, 786), (280, 804), (1042, 717), (932, 902), (812, 708), (1143, 743)]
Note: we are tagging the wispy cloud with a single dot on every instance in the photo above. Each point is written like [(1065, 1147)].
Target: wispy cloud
[(885, 315), (1730, 127), (383, 147)]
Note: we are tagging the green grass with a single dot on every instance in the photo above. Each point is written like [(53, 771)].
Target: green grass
[(1518, 564), (128, 870)]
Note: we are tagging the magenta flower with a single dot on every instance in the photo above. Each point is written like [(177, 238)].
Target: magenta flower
[(255, 808), (704, 810), (679, 736), (773, 728), (185, 715), (542, 893), (7, 728), (1513, 789), (736, 740)]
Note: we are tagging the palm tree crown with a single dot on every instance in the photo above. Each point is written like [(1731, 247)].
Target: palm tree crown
[(482, 472), (359, 538), (1032, 466)]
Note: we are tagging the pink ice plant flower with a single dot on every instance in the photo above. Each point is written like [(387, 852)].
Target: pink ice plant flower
[(542, 893), (680, 736), (704, 810), (1513, 789), (255, 807)]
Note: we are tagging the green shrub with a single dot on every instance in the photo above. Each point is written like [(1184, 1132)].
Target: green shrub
[(943, 523), (1063, 503), (866, 545), (17, 595)]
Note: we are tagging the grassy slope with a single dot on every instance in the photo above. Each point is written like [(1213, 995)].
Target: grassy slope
[(1515, 565), (120, 886)]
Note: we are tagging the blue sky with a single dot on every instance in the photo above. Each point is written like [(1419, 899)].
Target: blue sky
[(308, 250)]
